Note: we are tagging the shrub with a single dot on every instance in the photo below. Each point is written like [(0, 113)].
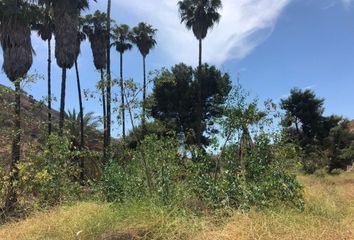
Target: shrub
[(49, 174), (152, 170), (262, 181)]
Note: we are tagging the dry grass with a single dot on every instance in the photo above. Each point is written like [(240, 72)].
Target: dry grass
[(329, 215)]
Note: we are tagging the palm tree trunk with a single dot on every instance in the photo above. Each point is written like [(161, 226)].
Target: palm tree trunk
[(104, 118), (199, 100), (82, 133), (200, 52), (122, 95), (49, 89), (108, 141), (144, 94), (11, 197), (62, 102)]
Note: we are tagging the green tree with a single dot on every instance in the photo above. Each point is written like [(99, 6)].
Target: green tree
[(121, 40), (303, 111), (91, 123), (173, 99), (305, 125), (144, 39), (340, 146), (95, 27), (15, 39)]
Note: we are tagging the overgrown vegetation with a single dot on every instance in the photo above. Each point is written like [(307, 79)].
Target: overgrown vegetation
[(199, 150), (328, 212)]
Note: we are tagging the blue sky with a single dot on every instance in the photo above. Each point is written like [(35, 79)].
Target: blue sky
[(274, 44)]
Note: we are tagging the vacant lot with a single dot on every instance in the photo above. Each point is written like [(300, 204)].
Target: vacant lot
[(329, 214)]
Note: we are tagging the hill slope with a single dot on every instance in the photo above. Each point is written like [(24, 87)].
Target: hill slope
[(34, 121)]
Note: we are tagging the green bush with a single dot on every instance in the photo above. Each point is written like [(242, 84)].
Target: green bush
[(262, 180), (49, 174), (152, 170)]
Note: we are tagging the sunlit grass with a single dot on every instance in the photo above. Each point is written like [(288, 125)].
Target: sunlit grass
[(329, 214)]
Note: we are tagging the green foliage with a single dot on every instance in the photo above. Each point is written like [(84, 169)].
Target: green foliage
[(325, 142), (258, 177), (263, 181), (175, 102), (199, 15), (49, 175), (152, 170)]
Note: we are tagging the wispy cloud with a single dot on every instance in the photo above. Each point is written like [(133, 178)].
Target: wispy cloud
[(244, 25), (347, 3)]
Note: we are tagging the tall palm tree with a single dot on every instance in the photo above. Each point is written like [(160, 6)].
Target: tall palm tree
[(144, 38), (80, 38), (15, 40), (200, 16), (45, 29), (108, 141), (66, 19), (95, 28), (122, 37)]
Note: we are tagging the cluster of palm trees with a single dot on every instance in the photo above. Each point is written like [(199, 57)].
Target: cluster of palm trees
[(61, 19)]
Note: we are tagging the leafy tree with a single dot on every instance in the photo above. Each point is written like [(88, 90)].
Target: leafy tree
[(340, 146), (174, 100), (95, 27), (304, 112), (305, 124), (200, 16), (121, 40), (144, 39), (15, 38)]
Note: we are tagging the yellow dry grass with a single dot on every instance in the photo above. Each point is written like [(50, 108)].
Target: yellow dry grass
[(329, 215)]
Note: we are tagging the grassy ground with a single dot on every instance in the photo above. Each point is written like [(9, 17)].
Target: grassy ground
[(329, 214)]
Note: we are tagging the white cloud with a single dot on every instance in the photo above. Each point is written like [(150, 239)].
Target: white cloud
[(347, 3), (243, 26)]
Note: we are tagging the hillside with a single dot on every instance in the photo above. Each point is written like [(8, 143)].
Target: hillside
[(34, 121)]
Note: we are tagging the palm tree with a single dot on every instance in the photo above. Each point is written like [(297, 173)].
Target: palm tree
[(66, 19), (200, 16), (45, 29), (80, 38), (15, 40), (144, 38), (91, 123), (108, 136), (122, 37), (95, 28)]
